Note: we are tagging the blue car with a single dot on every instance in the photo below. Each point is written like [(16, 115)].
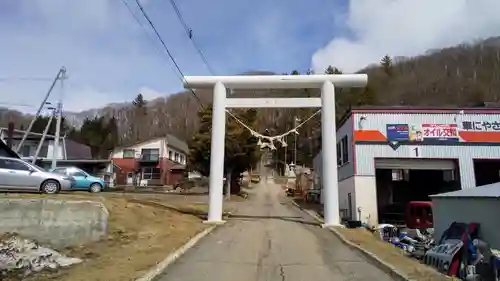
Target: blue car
[(81, 180)]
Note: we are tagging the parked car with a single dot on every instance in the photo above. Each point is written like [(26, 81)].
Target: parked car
[(82, 179), (19, 175)]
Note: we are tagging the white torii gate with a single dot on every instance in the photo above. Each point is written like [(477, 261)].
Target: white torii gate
[(327, 84)]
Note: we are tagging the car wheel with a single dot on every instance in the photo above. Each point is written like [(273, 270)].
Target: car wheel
[(95, 188), (50, 187)]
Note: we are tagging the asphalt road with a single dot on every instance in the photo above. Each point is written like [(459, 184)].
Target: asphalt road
[(269, 239)]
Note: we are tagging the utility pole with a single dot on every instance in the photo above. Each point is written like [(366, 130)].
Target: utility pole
[(45, 131), (55, 152), (44, 102), (286, 151), (295, 122)]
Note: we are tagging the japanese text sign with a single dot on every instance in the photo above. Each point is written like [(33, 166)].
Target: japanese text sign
[(443, 132), (481, 126), (397, 132)]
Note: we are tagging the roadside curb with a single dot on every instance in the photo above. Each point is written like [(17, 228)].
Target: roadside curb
[(371, 257), (172, 257)]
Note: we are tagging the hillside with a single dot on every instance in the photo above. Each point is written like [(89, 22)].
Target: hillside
[(465, 75)]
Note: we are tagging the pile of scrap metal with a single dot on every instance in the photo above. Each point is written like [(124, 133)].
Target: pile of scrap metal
[(416, 242), (21, 257), (460, 252)]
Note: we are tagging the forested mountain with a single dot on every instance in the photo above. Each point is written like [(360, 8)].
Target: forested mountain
[(465, 75)]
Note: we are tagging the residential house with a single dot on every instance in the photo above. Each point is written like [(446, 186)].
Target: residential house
[(159, 161), (70, 153), (31, 143)]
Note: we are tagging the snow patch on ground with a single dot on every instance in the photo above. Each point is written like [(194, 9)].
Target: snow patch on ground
[(23, 256)]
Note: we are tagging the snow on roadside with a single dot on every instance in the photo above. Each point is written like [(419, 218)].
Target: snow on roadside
[(23, 256)]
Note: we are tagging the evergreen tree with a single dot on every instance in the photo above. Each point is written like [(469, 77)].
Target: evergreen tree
[(139, 101), (386, 64), (241, 150), (139, 130), (41, 123), (99, 134), (332, 70)]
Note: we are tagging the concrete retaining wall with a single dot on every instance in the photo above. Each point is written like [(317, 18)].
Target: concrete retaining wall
[(60, 223)]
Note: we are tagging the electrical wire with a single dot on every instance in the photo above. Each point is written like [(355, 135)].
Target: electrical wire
[(144, 13), (16, 104), (189, 33), (25, 79), (183, 79), (144, 28), (163, 44)]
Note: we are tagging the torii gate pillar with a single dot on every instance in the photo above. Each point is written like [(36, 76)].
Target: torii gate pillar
[(327, 84)]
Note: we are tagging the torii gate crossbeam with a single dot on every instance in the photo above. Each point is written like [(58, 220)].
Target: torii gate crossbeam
[(327, 83)]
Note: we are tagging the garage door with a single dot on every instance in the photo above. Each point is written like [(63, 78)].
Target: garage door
[(415, 164)]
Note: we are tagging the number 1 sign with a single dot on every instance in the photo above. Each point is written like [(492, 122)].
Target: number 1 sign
[(415, 151)]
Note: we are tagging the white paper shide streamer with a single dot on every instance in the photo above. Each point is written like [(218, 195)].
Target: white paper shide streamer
[(268, 141)]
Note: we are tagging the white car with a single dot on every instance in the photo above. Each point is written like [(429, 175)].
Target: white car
[(19, 175)]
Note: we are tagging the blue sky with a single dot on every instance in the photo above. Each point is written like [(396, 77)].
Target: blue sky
[(110, 59)]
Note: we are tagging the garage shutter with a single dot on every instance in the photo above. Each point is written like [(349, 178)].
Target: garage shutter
[(415, 164)]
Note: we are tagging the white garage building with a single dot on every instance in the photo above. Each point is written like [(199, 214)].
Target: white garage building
[(387, 155)]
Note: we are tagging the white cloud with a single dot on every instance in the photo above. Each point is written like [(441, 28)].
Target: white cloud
[(406, 28), (109, 58), (150, 94)]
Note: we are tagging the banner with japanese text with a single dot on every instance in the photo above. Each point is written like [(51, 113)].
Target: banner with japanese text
[(481, 126), (422, 132), (440, 132)]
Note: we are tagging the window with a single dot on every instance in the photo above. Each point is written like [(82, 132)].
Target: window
[(342, 151), (449, 175), (345, 150), (26, 150), (61, 171), (176, 157), (129, 153), (182, 159), (150, 154), (397, 175), (170, 155), (151, 173), (339, 155), (16, 165), (77, 173)]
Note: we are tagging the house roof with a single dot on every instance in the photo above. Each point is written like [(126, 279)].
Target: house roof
[(425, 109), (75, 150), (30, 134), (416, 110), (177, 143), (484, 191), (9, 152), (170, 139)]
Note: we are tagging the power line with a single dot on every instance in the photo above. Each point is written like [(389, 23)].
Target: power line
[(24, 79), (183, 79), (16, 104), (166, 48), (189, 33), (139, 22)]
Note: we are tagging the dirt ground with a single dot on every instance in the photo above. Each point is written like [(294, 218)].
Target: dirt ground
[(143, 229), (385, 251)]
